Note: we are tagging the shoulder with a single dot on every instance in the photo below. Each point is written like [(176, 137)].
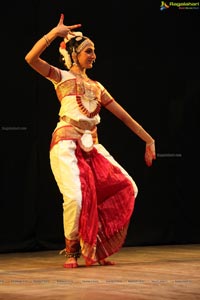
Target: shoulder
[(57, 75), (106, 97), (99, 85), (65, 75)]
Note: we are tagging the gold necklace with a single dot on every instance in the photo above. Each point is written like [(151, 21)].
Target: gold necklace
[(82, 75), (81, 106)]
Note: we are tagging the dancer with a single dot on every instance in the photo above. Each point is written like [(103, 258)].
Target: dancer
[(98, 193)]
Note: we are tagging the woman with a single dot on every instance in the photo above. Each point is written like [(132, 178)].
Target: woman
[(98, 194)]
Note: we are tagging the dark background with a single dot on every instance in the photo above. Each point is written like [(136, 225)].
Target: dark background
[(149, 61)]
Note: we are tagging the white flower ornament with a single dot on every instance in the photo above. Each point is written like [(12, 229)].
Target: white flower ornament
[(63, 51)]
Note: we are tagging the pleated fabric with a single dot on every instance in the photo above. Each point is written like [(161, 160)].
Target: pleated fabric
[(108, 201)]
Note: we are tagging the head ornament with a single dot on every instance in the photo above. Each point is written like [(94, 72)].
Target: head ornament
[(78, 36)]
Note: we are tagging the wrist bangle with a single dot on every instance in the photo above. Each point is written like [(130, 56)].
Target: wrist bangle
[(151, 143), (46, 40)]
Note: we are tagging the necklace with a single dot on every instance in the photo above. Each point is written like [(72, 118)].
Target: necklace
[(88, 85), (79, 74)]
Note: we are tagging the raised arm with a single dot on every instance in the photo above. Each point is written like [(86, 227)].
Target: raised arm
[(120, 113), (33, 56)]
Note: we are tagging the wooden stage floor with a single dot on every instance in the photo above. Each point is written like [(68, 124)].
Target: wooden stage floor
[(147, 273)]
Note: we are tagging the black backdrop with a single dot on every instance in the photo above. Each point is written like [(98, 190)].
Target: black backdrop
[(149, 61)]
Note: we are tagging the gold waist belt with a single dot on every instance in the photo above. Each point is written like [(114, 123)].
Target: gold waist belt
[(69, 132), (82, 124)]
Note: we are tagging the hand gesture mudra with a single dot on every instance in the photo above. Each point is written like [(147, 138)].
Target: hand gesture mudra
[(64, 30)]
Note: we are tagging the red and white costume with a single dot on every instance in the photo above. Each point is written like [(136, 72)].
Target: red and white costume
[(98, 194)]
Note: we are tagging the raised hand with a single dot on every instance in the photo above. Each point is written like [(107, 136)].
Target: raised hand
[(64, 30)]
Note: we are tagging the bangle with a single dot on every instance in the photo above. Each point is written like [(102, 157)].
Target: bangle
[(151, 143), (46, 40)]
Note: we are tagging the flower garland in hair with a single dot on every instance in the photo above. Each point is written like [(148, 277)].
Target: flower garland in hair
[(77, 34), (65, 54), (63, 47)]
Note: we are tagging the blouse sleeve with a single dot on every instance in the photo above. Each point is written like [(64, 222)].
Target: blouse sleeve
[(106, 97), (54, 75)]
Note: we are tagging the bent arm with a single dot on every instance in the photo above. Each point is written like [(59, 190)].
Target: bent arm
[(33, 56)]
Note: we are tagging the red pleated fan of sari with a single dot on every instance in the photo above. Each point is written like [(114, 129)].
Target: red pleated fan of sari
[(107, 205)]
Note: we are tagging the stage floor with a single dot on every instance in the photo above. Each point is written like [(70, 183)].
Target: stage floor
[(147, 273)]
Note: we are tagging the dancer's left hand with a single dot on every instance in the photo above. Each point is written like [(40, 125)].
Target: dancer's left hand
[(150, 153)]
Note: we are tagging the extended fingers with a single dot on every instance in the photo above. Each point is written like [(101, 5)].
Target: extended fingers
[(149, 157), (71, 27), (148, 161)]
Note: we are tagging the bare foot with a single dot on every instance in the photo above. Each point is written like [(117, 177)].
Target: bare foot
[(71, 263), (104, 262)]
